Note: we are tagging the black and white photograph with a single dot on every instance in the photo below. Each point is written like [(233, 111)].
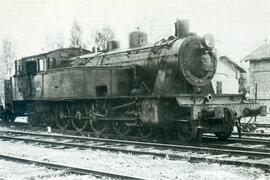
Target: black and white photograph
[(134, 89)]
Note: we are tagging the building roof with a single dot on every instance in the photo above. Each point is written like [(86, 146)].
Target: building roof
[(262, 52), (233, 64)]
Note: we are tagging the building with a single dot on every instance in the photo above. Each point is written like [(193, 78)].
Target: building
[(259, 73), (226, 79)]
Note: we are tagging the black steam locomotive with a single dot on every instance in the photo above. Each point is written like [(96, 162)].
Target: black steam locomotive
[(166, 85)]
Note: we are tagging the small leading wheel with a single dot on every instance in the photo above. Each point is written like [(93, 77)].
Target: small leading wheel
[(187, 131), (145, 132), (80, 119), (121, 128), (95, 113), (228, 127), (62, 121)]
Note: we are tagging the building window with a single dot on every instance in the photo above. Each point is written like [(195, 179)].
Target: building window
[(219, 87), (48, 63), (54, 63), (40, 65)]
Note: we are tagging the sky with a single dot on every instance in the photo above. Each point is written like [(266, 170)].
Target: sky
[(239, 26)]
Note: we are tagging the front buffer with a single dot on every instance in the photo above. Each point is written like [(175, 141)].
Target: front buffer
[(216, 114)]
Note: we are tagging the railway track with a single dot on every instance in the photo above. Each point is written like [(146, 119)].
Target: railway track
[(171, 151), (242, 140), (260, 138), (25, 126), (258, 125), (263, 135), (245, 139), (68, 169), (207, 139)]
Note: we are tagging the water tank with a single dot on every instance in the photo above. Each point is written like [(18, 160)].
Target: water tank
[(112, 45)]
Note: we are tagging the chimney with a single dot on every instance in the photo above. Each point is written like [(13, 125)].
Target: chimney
[(181, 28)]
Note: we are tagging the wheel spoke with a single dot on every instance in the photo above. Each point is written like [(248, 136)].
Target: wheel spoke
[(145, 132), (121, 128), (79, 121), (63, 117), (95, 113)]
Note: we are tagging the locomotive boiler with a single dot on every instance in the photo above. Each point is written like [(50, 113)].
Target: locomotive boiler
[(166, 85)]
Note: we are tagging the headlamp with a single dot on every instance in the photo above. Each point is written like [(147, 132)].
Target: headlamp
[(208, 41)]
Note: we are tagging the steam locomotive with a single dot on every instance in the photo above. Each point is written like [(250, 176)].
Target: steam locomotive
[(166, 85)]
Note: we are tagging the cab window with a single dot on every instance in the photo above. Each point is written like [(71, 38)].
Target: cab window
[(18, 68), (31, 67)]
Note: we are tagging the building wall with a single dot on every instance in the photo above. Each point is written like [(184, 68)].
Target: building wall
[(228, 76), (259, 72)]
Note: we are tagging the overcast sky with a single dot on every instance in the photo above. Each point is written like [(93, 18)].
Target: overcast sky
[(239, 26)]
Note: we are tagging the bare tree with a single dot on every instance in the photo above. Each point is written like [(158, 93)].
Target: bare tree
[(76, 35), (103, 35), (54, 41), (60, 40), (7, 57)]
